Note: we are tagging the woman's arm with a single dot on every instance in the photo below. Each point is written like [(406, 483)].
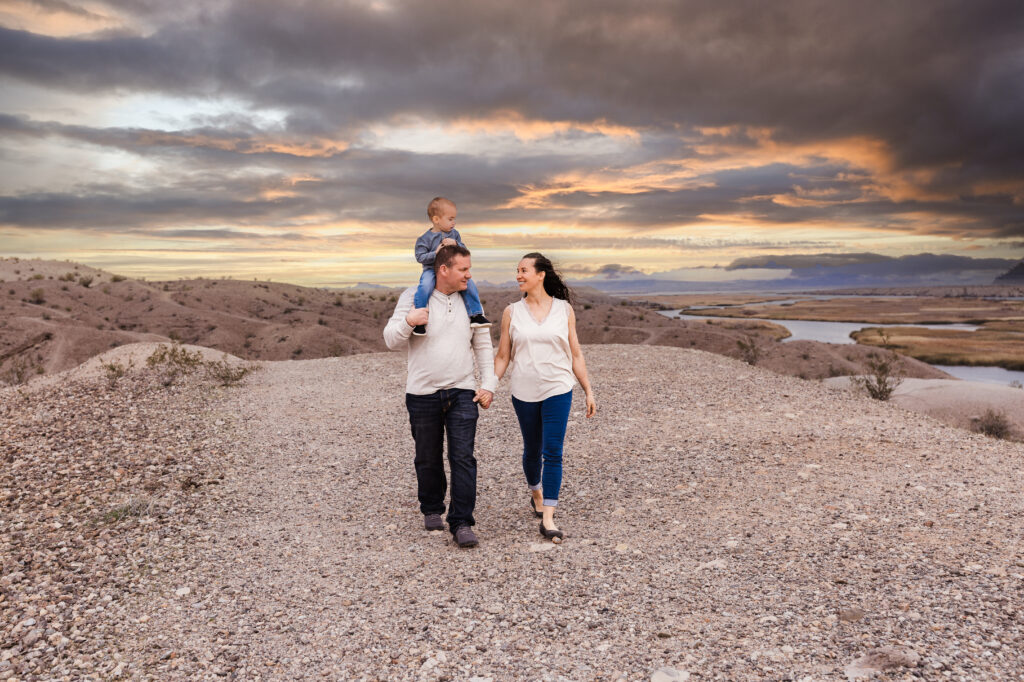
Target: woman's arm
[(504, 355), (579, 365)]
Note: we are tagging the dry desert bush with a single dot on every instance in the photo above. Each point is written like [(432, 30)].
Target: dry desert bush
[(993, 424)]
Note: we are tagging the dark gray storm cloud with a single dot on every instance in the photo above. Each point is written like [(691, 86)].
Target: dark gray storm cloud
[(859, 268), (939, 82)]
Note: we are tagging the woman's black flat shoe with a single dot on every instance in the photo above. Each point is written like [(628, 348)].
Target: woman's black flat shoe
[(550, 534), (536, 513)]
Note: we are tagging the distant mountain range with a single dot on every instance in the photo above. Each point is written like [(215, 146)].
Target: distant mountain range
[(1014, 275), (819, 271)]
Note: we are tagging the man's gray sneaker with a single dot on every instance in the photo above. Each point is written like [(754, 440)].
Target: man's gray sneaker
[(433, 522), (465, 537)]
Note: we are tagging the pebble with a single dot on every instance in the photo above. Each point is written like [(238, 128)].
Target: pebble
[(850, 615), (882, 659), (717, 564)]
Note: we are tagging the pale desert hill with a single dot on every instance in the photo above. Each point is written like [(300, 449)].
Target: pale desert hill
[(722, 521), (55, 315)]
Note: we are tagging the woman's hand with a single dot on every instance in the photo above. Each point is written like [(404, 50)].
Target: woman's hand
[(591, 406)]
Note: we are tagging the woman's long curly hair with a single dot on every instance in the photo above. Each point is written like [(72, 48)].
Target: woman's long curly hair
[(553, 283)]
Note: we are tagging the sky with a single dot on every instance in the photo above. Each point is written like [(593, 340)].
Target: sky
[(692, 140)]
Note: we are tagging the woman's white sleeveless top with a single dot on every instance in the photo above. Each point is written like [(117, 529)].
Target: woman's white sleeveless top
[(541, 359)]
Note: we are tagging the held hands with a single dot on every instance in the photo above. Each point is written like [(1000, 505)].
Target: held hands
[(484, 398), (417, 316), (591, 406)]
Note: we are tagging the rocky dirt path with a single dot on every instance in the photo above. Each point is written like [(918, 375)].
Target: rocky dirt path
[(723, 521)]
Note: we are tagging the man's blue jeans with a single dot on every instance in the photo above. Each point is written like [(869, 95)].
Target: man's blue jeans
[(428, 281), (430, 416), (543, 427)]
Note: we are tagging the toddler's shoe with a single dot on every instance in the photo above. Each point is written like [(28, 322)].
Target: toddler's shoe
[(420, 330), (478, 321)]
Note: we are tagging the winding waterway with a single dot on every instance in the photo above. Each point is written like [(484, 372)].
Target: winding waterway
[(839, 332)]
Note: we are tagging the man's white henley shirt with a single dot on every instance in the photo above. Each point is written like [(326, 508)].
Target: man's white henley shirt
[(444, 357)]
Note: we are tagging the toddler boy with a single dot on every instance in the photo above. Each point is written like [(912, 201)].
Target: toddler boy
[(442, 232)]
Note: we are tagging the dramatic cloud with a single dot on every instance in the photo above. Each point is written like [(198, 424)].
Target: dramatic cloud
[(594, 126), (857, 268)]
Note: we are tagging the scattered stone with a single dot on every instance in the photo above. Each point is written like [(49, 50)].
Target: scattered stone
[(850, 615), (717, 564), (882, 659), (542, 546), (669, 675), (183, 591)]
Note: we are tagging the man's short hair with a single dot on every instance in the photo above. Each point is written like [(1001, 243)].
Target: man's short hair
[(447, 254), (434, 207)]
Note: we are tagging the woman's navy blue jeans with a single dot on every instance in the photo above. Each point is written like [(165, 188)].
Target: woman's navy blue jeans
[(450, 410), (543, 427)]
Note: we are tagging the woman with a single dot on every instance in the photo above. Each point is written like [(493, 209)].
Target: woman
[(538, 338)]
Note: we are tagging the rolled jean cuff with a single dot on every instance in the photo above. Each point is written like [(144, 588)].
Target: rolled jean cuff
[(550, 503), (536, 487)]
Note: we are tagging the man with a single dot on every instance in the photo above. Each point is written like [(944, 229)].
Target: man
[(440, 391)]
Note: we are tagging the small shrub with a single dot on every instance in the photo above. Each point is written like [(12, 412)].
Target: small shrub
[(85, 280), (17, 373), (38, 296), (587, 306), (142, 506), (1016, 384), (116, 370), (227, 374), (172, 361), (884, 374), (117, 278), (67, 277), (993, 424), (106, 290), (37, 276), (749, 350)]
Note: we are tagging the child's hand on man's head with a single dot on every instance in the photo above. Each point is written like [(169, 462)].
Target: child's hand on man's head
[(448, 241)]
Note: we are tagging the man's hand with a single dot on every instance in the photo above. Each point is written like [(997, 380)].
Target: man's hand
[(417, 316), (484, 398)]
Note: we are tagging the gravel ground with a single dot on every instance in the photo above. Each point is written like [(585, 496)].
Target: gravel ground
[(723, 523)]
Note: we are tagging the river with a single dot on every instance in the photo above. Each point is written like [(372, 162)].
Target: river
[(839, 332)]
